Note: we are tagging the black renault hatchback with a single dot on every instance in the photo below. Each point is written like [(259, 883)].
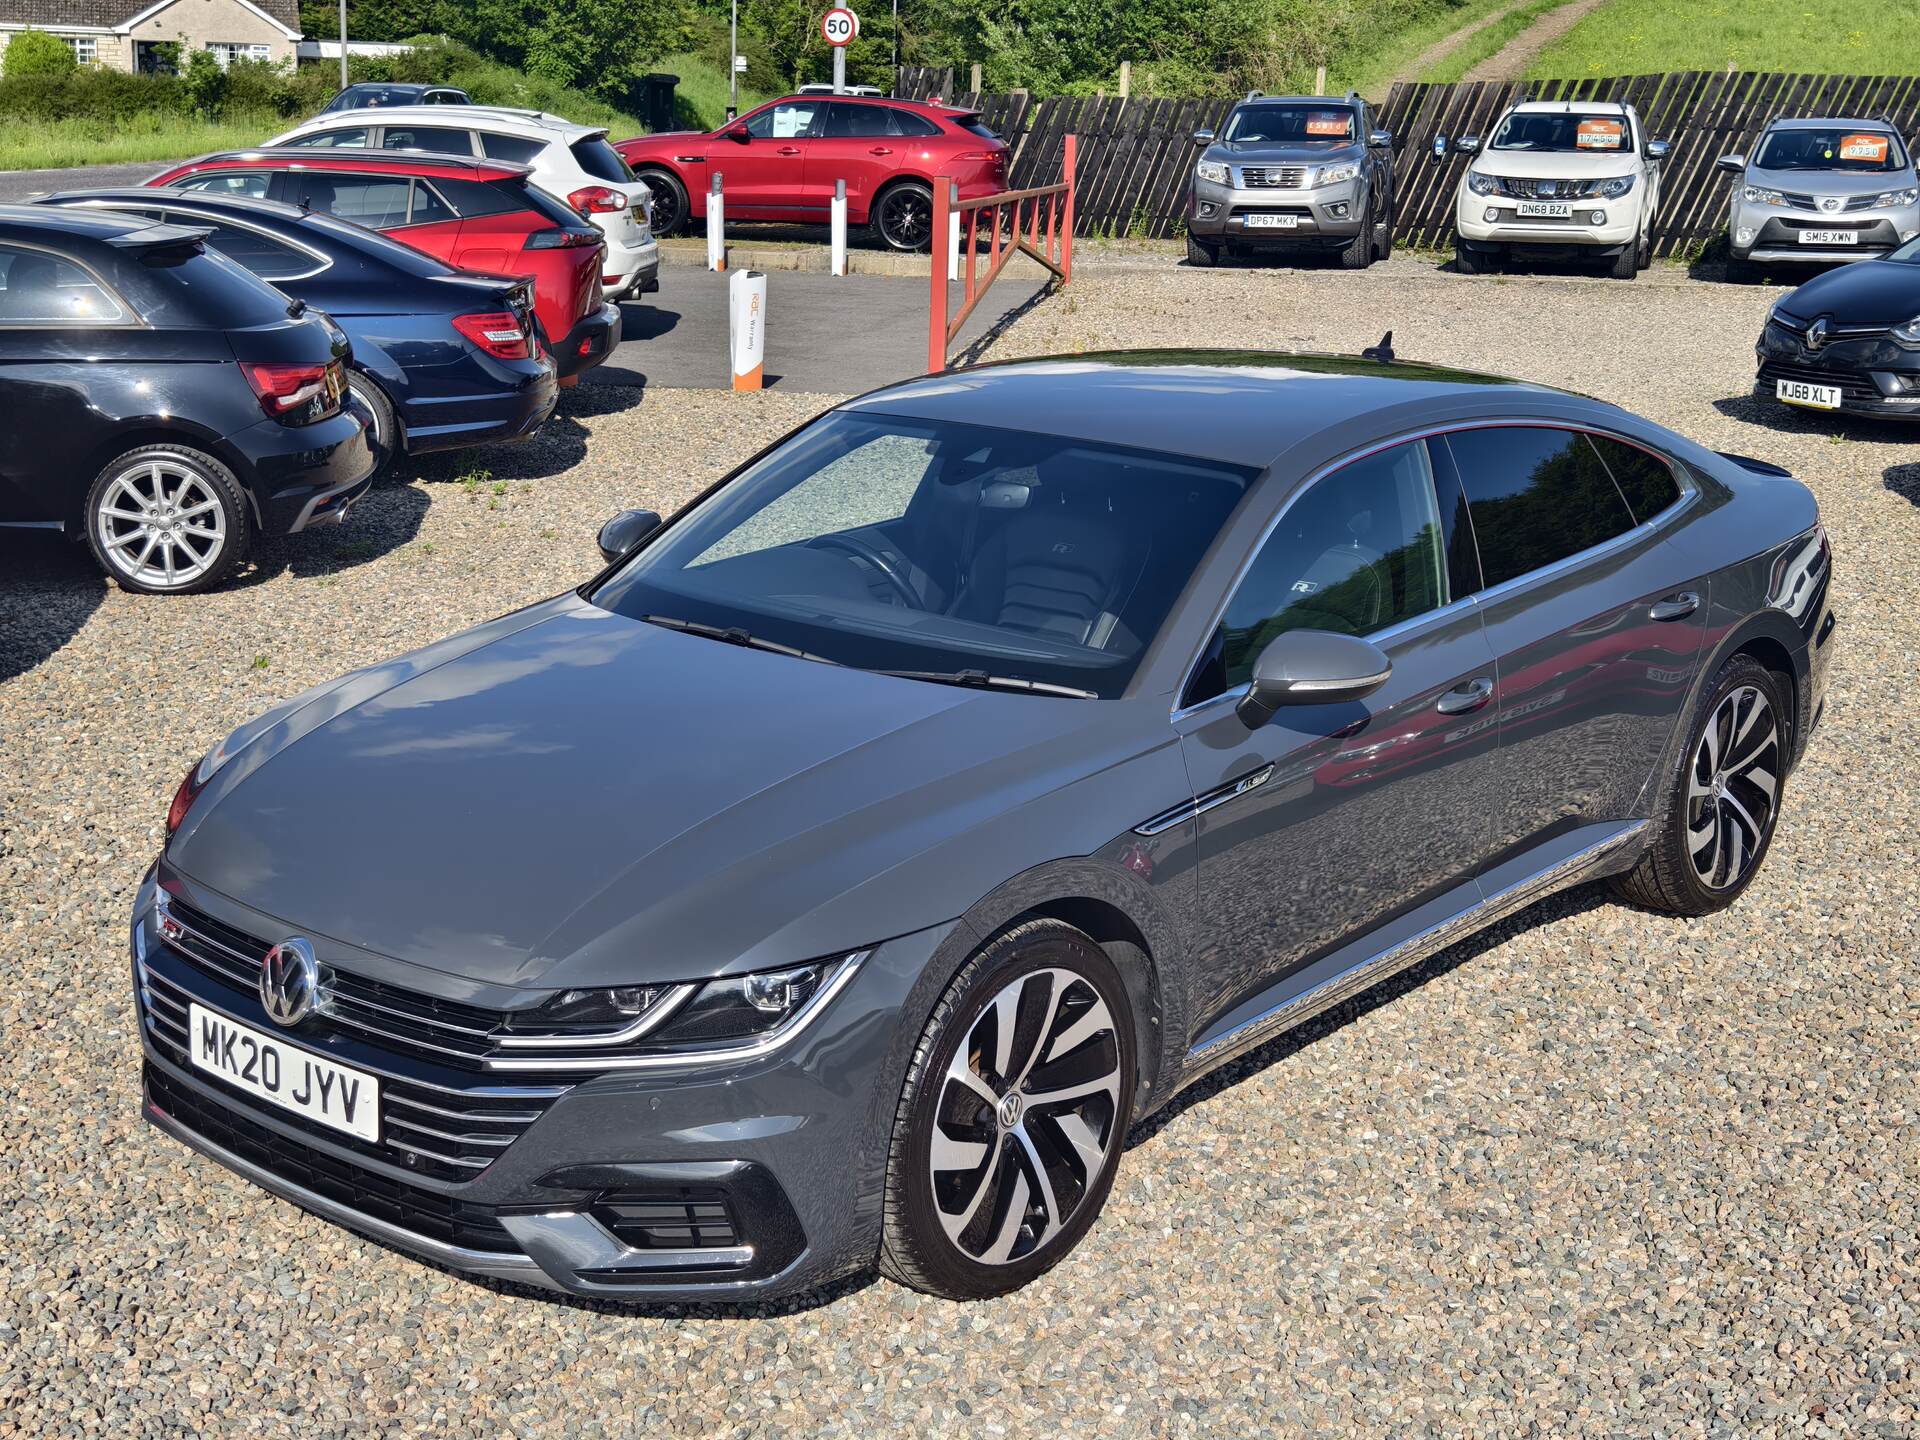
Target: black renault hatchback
[(1848, 340), (162, 401)]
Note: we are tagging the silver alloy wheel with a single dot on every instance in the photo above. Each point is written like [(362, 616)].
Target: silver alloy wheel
[(1027, 1115), (160, 522), (1733, 786)]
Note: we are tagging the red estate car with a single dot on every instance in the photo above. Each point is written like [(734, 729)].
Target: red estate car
[(779, 163), (480, 215)]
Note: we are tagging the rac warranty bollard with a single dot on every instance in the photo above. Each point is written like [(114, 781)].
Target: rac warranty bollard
[(747, 332), (716, 227)]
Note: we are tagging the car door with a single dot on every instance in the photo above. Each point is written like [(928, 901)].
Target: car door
[(763, 177), (861, 145), (1596, 622), (1333, 821)]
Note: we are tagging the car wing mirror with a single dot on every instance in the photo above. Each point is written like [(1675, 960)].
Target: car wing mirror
[(1733, 164), (1468, 144), (738, 133), (1311, 667), (1659, 149), (622, 535), (1203, 137), (1379, 139)]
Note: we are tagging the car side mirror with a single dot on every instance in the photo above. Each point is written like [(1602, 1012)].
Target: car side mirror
[(1468, 144), (621, 535), (1311, 667), (1379, 139), (1733, 164), (738, 133), (1439, 147), (1203, 138), (1659, 149)]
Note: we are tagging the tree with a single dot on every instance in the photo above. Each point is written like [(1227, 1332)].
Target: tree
[(35, 52)]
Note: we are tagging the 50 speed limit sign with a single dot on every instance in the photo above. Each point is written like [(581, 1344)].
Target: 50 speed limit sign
[(839, 25)]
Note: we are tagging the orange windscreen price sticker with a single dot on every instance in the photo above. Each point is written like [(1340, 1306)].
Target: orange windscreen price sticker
[(1871, 148), (1600, 134), (1327, 124)]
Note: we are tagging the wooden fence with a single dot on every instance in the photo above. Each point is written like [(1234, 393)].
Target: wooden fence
[(1136, 156)]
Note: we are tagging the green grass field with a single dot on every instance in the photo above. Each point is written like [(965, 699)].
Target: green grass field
[(1637, 37), (1485, 44), (702, 92), (51, 144), (1395, 57)]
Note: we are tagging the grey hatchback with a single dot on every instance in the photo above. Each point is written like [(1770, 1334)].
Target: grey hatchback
[(837, 877)]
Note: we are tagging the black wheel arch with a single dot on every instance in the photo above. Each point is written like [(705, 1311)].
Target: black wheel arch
[(157, 432)]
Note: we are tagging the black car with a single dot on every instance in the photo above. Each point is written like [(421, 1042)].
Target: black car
[(369, 94), (1848, 340), (162, 401), (442, 358)]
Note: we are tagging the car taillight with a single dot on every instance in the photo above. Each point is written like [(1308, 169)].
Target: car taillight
[(498, 332), (557, 239), (598, 200), (190, 787), (979, 155), (298, 394)]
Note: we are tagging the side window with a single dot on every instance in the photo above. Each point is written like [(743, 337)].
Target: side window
[(41, 289), (905, 122), (511, 148), (264, 256), (1643, 477), (1362, 550), (793, 120), (426, 137), (1537, 495), (854, 122), (475, 197), (229, 182), (428, 207), (356, 138), (376, 202)]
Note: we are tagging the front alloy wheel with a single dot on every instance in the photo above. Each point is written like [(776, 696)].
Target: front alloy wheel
[(1013, 1115)]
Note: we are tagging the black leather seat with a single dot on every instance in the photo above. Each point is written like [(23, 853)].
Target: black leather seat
[(1053, 571), (31, 295)]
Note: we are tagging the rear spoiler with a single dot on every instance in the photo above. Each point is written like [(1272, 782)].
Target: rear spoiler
[(1758, 467), (151, 239)]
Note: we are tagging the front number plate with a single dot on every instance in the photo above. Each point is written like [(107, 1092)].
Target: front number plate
[(1545, 209), (1829, 237), (1814, 397), (294, 1079), (1272, 222)]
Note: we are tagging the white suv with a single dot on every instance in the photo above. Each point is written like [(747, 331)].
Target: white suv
[(1559, 175), (572, 162)]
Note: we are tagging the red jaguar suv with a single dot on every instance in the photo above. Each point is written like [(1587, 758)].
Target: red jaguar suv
[(475, 214), (780, 163)]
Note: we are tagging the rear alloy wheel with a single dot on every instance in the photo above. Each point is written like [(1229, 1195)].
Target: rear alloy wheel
[(1718, 818), (903, 216), (166, 520), (1012, 1118), (368, 401), (669, 201)]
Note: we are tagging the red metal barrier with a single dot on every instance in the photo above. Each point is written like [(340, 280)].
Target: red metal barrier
[(1014, 227)]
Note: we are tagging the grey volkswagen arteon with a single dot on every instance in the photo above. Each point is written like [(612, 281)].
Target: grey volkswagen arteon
[(834, 879)]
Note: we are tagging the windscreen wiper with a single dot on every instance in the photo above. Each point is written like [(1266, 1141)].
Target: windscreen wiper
[(981, 680), (734, 635)]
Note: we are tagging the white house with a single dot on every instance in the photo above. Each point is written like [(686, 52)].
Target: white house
[(123, 34)]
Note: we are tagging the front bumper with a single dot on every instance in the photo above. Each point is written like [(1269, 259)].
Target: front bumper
[(1769, 234), (1330, 214), (1508, 229), (1874, 375), (301, 475), (693, 1182), (589, 343)]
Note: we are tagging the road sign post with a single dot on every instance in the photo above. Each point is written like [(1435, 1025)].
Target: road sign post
[(839, 25)]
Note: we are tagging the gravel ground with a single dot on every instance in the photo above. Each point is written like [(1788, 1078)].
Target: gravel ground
[(1596, 1173)]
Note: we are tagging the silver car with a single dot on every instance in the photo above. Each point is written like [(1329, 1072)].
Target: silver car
[(1822, 192)]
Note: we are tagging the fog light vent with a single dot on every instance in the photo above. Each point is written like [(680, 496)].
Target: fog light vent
[(1599, 217)]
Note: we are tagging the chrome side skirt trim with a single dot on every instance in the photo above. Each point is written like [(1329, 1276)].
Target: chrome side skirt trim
[(1193, 809), (1408, 952)]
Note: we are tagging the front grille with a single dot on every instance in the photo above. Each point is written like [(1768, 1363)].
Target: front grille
[(441, 1132), (412, 1208), (1520, 187), (1273, 177), (685, 1218), (1854, 386)]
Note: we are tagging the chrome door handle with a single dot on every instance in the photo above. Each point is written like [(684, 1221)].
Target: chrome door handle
[(1675, 607), (1470, 696)]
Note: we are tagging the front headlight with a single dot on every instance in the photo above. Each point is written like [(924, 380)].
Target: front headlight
[(1212, 171), (1482, 184), (1907, 336), (1754, 195), (1334, 174), (1616, 187), (1896, 197)]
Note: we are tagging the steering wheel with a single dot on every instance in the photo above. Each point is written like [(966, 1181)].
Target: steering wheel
[(888, 567)]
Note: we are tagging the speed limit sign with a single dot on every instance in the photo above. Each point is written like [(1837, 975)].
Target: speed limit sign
[(839, 25)]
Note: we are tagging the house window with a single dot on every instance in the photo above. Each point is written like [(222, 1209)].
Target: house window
[(228, 51), (86, 49)]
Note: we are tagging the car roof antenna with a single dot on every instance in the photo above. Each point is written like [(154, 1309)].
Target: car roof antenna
[(1381, 354)]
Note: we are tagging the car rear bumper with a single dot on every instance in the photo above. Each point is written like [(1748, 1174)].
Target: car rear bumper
[(527, 393), (302, 475), (589, 343), (631, 270)]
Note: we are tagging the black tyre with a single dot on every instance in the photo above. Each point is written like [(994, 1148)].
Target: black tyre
[(1202, 254), (1385, 250), (167, 520), (367, 400), (1643, 254), (1466, 261), (1716, 819), (903, 216), (1357, 254), (669, 200), (1626, 264), (1741, 272), (1012, 1117)]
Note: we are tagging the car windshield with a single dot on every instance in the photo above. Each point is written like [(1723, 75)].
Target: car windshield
[(891, 543), (1562, 132), (1291, 124), (356, 97), (1839, 148)]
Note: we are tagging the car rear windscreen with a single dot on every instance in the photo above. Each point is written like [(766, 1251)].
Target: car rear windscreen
[(601, 160), (199, 288)]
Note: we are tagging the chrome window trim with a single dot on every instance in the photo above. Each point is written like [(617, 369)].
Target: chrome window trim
[(1682, 475), (129, 319), (323, 263)]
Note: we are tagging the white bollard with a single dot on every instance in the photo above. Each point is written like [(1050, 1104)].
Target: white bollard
[(747, 330), (953, 245), (716, 227), (839, 227)]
